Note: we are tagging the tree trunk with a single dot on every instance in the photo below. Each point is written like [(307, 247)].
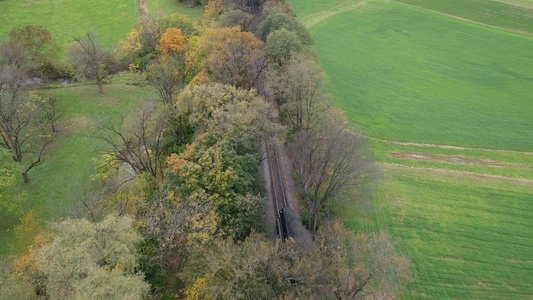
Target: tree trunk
[(182, 132), (100, 86), (26, 177)]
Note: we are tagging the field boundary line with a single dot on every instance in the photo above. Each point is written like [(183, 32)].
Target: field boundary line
[(457, 172), (427, 145), (514, 3), (463, 19), (326, 17)]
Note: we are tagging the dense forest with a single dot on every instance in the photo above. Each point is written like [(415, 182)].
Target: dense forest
[(181, 204)]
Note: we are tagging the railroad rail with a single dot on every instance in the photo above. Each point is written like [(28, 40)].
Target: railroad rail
[(277, 182)]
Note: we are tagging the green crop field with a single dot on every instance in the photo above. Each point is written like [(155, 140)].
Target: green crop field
[(447, 104), (466, 237), (517, 17), (411, 75), (56, 185)]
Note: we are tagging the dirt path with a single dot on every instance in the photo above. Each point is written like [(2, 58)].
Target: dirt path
[(457, 159), (515, 3), (457, 172), (464, 19), (319, 17), (445, 146)]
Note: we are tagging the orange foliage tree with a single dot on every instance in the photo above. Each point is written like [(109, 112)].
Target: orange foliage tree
[(173, 40), (233, 57)]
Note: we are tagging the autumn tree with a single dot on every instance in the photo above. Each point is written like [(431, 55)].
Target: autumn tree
[(233, 57), (11, 287), (10, 172), (342, 265), (281, 45), (236, 17), (224, 109), (176, 20), (136, 142), (172, 40), (84, 260), (173, 226), (327, 161), (212, 173), (278, 16), (253, 269), (25, 130), (353, 266), (91, 60), (40, 45), (298, 88), (167, 77)]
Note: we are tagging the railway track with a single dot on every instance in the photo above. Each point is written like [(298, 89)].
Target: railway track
[(277, 182)]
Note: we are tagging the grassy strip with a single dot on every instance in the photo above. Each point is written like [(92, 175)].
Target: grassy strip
[(57, 185), (489, 12), (406, 74), (467, 237)]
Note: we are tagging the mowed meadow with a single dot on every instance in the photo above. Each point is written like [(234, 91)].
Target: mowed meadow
[(65, 177), (109, 20), (444, 92)]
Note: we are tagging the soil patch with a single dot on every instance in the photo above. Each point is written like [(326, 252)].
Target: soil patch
[(458, 159), (461, 173)]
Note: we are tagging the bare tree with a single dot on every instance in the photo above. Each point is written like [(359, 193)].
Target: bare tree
[(326, 162), (24, 131), (167, 77), (166, 226), (136, 143), (298, 88), (353, 266), (91, 60)]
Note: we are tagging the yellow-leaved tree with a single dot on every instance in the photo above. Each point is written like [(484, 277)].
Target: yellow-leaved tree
[(233, 56), (173, 40)]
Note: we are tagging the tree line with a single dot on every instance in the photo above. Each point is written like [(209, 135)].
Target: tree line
[(180, 207)]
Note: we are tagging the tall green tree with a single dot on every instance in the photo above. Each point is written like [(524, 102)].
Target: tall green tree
[(213, 174)]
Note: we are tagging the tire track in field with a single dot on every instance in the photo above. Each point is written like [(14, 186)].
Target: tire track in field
[(514, 3), (444, 146), (322, 18), (463, 19), (457, 172)]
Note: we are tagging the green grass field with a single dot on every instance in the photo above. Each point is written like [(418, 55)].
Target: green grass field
[(411, 75), (461, 214), (466, 237), (485, 11), (56, 185), (109, 20), (160, 8)]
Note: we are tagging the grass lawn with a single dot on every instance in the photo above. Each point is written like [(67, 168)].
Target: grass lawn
[(411, 75), (165, 8), (485, 11), (56, 185), (462, 215), (109, 20), (466, 237), (311, 12)]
